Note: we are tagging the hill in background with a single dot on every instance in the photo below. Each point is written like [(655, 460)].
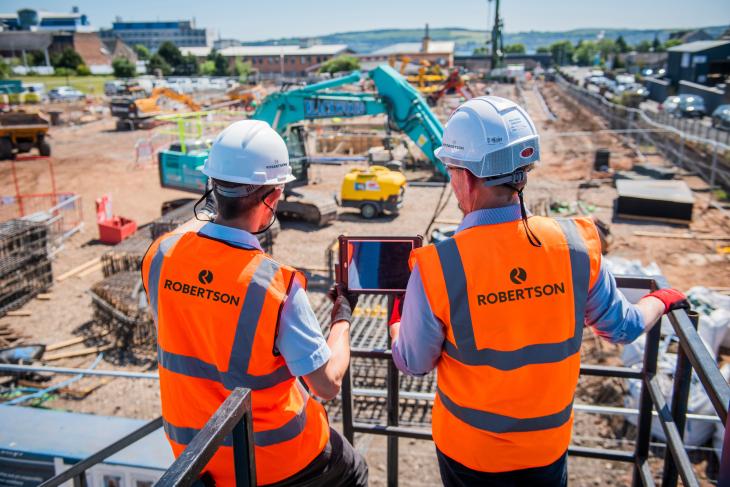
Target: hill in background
[(467, 40)]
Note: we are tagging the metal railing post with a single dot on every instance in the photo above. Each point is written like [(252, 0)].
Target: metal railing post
[(233, 416), (244, 460), (724, 476), (680, 396), (347, 405), (641, 454), (393, 413)]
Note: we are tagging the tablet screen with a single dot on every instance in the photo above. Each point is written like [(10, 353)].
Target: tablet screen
[(372, 265)]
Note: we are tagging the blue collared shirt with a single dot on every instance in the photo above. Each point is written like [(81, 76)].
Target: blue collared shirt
[(420, 340), (300, 340)]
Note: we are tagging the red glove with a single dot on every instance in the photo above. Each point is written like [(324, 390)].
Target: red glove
[(397, 309), (671, 298)]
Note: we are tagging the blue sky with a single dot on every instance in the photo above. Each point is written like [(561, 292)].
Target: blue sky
[(248, 20)]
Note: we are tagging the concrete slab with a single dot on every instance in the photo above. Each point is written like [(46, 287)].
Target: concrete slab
[(655, 200)]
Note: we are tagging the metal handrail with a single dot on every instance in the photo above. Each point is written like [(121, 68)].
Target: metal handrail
[(233, 416), (692, 354), (77, 472)]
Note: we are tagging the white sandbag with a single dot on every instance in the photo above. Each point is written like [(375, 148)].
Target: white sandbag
[(714, 310), (626, 267)]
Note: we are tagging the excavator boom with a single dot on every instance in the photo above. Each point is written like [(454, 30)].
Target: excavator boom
[(406, 109)]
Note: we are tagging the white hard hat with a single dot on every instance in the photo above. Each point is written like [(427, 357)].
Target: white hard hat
[(490, 136), (249, 152)]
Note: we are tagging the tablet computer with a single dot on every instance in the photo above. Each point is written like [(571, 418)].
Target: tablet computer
[(376, 265)]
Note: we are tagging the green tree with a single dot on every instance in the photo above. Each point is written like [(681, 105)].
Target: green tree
[(158, 63), (543, 50), (656, 45), (221, 64), (123, 68), (643, 46), (585, 53), (606, 47), (188, 66), (36, 58), (340, 63), (480, 51), (67, 59), (83, 70), (5, 70), (562, 52), (514, 49), (207, 68), (242, 69), (171, 54), (142, 52), (671, 43), (621, 44)]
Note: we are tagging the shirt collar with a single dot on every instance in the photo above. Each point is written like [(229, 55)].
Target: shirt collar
[(490, 216), (233, 236)]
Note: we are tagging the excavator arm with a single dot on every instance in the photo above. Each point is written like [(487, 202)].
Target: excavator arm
[(149, 105), (406, 109)]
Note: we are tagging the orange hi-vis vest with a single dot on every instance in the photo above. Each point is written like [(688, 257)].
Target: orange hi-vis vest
[(513, 317), (217, 308)]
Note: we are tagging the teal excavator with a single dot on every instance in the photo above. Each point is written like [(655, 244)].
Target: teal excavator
[(406, 112)]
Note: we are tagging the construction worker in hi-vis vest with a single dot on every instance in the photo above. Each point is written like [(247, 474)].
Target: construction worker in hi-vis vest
[(228, 316), (499, 310)]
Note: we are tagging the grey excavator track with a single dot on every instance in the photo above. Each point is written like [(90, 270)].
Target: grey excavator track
[(310, 207)]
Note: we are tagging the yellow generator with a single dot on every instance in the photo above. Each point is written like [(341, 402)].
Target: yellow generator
[(373, 191)]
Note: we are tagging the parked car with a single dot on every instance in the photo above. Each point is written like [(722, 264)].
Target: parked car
[(65, 93), (113, 87), (721, 117), (688, 106)]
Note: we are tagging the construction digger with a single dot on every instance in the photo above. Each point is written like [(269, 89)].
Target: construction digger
[(134, 110), (405, 108), (455, 83)]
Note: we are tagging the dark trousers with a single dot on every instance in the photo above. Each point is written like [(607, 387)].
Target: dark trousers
[(339, 465), (454, 474)]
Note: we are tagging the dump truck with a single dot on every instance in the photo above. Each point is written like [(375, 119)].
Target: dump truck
[(20, 132)]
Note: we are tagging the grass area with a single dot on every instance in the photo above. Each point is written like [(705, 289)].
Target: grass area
[(91, 85)]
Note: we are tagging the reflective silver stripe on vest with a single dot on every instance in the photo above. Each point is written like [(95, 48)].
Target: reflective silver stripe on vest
[(462, 326), (498, 423), (248, 318), (156, 269), (288, 431)]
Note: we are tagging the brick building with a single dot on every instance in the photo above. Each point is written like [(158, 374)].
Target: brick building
[(289, 60)]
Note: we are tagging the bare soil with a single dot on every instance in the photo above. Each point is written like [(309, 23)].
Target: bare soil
[(93, 160)]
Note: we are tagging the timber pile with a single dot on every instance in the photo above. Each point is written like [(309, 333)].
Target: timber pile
[(120, 309), (25, 270), (9, 337)]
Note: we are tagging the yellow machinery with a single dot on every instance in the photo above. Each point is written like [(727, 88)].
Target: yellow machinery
[(133, 112), (373, 191), (20, 132)]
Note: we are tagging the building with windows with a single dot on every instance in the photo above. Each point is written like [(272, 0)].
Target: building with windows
[(427, 51), (703, 62), (151, 34), (29, 19), (288, 60)]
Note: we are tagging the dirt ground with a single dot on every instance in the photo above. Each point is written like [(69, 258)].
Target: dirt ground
[(93, 160)]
